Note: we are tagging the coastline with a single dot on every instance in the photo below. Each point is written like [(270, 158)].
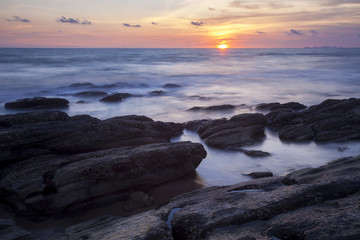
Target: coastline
[(71, 142)]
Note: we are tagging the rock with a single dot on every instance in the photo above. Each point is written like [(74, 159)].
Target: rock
[(332, 120), (52, 184), (157, 93), (274, 106), (193, 125), (10, 231), (60, 134), (240, 130), (147, 226), (117, 97), (214, 108), (77, 85), (199, 97), (279, 207), (137, 200), (259, 174), (90, 94), (256, 153), (171, 85), (37, 102)]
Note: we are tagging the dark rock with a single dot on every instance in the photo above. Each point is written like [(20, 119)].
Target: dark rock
[(55, 132), (274, 106), (117, 97), (51, 184), (172, 85), (147, 226), (240, 130), (157, 93), (259, 174), (332, 120), (199, 97), (77, 85), (38, 102), (195, 124), (137, 200), (90, 94), (214, 108), (10, 231), (256, 153)]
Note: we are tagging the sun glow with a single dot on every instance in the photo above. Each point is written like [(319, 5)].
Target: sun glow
[(222, 46)]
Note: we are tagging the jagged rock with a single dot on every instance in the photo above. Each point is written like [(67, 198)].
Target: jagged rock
[(60, 134), (240, 130), (90, 94), (275, 106), (10, 231), (172, 85), (38, 102), (51, 184), (332, 120), (214, 108)]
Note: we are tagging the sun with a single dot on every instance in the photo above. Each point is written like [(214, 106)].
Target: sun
[(222, 46)]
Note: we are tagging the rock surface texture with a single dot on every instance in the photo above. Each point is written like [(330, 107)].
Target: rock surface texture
[(38, 102)]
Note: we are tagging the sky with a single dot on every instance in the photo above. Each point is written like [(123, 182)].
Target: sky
[(179, 23)]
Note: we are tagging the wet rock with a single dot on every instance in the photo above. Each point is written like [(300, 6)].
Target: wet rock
[(51, 184), (195, 124), (172, 85), (10, 231), (240, 130), (157, 93), (259, 174), (90, 94), (256, 153), (145, 226), (214, 108), (117, 97), (274, 106), (60, 134), (37, 102), (332, 120)]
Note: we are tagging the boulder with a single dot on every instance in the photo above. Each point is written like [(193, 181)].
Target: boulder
[(240, 130), (78, 85), (10, 231), (171, 85), (56, 132), (157, 93), (332, 120), (116, 97), (259, 174), (256, 153), (37, 102), (51, 184), (275, 106)]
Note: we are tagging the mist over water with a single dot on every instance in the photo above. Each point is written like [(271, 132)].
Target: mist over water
[(241, 77)]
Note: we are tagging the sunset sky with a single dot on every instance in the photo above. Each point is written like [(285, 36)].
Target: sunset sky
[(179, 23)]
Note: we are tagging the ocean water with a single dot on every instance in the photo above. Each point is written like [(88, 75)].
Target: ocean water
[(207, 77)]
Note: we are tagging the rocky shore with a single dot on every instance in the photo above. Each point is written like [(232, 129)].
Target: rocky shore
[(54, 165)]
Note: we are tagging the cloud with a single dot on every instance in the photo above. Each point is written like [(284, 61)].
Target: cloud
[(129, 25), (154, 23), (199, 24), (294, 32), (339, 2), (18, 19), (211, 9), (314, 33), (278, 5), (239, 4), (258, 32), (73, 21)]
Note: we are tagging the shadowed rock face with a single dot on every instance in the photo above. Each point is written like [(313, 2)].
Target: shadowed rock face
[(332, 120), (50, 184), (38, 102), (320, 203), (240, 130), (55, 132)]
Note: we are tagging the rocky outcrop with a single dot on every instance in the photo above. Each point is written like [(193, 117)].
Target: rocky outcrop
[(275, 106), (91, 94), (51, 184), (240, 130), (117, 97), (31, 134), (171, 85), (332, 120), (37, 102)]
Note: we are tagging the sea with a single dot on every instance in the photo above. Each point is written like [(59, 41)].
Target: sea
[(203, 77)]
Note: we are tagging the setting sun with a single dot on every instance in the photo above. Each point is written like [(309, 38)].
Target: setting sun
[(222, 46)]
